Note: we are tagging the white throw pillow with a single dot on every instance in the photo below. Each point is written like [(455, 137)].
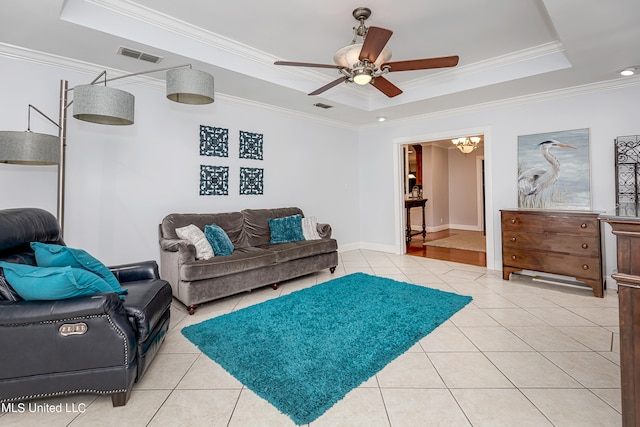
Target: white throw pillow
[(310, 228), (196, 237)]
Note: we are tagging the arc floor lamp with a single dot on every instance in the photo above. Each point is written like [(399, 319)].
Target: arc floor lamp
[(96, 103)]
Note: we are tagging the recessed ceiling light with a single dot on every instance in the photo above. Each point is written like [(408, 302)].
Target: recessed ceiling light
[(629, 71), (382, 119)]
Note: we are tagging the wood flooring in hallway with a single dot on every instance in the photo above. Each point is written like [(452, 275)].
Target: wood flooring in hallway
[(417, 248)]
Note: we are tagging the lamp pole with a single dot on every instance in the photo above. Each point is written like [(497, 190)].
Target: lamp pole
[(62, 134)]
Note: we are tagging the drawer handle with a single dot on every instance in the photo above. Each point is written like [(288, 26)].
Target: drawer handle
[(513, 220), (585, 246), (513, 239), (513, 257), (583, 225), (585, 267)]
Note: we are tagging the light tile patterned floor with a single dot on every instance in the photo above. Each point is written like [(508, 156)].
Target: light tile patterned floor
[(521, 354)]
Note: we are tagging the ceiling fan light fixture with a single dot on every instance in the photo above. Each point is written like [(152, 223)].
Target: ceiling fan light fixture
[(362, 77)]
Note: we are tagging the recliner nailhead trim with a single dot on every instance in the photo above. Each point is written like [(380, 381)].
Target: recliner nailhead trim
[(59, 393)]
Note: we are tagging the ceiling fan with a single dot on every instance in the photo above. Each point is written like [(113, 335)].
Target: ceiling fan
[(367, 62)]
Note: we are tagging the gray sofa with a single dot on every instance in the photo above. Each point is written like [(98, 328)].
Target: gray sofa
[(254, 262)]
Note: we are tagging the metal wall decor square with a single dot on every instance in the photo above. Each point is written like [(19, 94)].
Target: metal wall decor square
[(214, 180), (214, 141), (251, 181), (251, 145)]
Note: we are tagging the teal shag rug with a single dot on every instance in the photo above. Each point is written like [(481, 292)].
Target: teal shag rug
[(305, 351)]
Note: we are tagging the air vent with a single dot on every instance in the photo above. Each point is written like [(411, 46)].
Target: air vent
[(136, 54), (321, 105)]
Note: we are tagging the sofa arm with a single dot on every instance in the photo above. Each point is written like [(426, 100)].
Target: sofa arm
[(324, 231), (186, 249), (145, 270)]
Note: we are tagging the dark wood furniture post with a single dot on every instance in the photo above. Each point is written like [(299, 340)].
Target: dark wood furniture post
[(414, 203), (625, 223)]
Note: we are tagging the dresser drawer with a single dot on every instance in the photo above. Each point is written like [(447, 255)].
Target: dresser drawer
[(568, 265), (586, 246), (557, 222)]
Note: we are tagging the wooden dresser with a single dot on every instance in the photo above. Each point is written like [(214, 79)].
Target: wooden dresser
[(567, 243)]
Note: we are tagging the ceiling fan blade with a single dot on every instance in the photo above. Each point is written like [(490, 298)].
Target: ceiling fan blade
[(386, 87), (374, 42), (336, 82), (422, 64), (307, 64)]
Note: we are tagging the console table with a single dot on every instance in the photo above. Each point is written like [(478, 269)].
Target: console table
[(414, 203), (625, 222)]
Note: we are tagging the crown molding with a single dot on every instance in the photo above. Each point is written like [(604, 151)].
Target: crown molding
[(47, 59), (523, 55), (603, 86), (51, 60), (144, 25)]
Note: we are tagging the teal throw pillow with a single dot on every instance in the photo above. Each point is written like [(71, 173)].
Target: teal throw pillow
[(52, 283), (218, 239), (49, 255), (287, 229)]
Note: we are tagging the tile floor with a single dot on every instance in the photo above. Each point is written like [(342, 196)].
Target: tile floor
[(521, 354)]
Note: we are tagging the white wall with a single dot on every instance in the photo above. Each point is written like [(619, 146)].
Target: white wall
[(440, 176), (463, 189), (121, 181), (607, 113)]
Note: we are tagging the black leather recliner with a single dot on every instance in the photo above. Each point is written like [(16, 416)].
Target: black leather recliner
[(92, 344)]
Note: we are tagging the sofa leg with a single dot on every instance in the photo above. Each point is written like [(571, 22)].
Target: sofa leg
[(332, 269), (120, 399), (275, 285), (192, 308)]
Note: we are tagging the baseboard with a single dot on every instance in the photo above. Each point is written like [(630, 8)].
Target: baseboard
[(465, 227), (367, 246), (442, 227), (348, 247)]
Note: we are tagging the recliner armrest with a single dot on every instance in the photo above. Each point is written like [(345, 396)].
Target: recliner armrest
[(24, 312), (145, 270)]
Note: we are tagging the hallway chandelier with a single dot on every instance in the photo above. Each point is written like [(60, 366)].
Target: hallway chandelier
[(467, 145)]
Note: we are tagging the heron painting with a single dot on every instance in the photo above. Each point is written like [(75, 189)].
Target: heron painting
[(554, 170)]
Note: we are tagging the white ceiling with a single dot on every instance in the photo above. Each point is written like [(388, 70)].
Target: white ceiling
[(507, 48)]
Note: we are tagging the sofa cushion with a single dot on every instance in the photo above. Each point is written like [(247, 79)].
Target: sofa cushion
[(50, 255), (256, 223), (52, 283), (220, 242), (23, 225), (287, 229), (194, 235), (295, 250), (310, 228), (242, 259)]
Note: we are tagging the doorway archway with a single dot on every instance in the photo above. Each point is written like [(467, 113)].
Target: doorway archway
[(398, 156)]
